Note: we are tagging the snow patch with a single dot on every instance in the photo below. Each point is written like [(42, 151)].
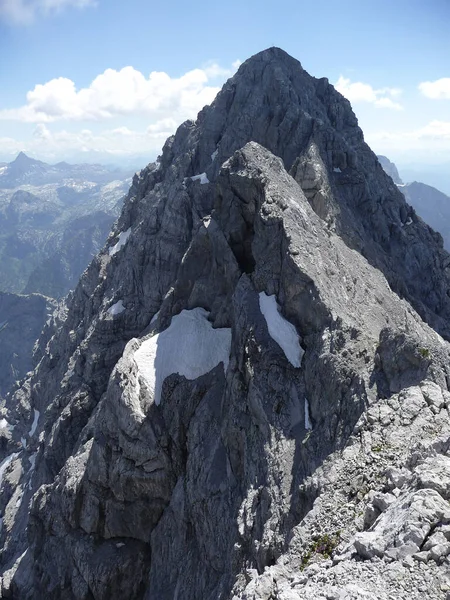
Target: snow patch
[(23, 441), (308, 424), (4, 424), (116, 308), (280, 330), (202, 177), (123, 237), (214, 155), (34, 424), (409, 221), (32, 460), (337, 170), (189, 346)]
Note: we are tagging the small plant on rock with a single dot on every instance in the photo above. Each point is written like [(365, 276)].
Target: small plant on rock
[(324, 545)]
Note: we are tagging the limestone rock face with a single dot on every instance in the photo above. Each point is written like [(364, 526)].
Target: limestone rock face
[(242, 400)]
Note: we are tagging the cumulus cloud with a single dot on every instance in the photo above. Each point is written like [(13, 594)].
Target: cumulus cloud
[(363, 92), (20, 12), (119, 93), (143, 112), (437, 90)]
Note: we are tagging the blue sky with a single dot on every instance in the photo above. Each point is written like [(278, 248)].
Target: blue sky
[(76, 83)]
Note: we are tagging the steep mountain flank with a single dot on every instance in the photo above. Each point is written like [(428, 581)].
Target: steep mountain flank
[(242, 388), (432, 205), (22, 320)]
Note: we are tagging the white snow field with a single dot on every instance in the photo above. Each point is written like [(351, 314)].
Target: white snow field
[(280, 330), (190, 346)]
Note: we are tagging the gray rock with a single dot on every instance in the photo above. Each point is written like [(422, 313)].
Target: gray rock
[(434, 473), (229, 480)]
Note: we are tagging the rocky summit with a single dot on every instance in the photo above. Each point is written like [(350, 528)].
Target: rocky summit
[(247, 396)]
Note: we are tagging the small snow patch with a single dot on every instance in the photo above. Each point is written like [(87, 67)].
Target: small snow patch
[(190, 346), (280, 330), (35, 422), (337, 170), (123, 237), (202, 178), (23, 441), (308, 424), (116, 308), (214, 155), (32, 460), (409, 221), (4, 424), (120, 545)]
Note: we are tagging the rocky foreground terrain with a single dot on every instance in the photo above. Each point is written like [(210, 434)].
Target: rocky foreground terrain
[(248, 395)]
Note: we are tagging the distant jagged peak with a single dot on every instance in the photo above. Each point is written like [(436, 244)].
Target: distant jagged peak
[(23, 159), (390, 169)]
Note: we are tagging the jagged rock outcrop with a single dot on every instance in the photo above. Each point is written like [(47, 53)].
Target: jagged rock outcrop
[(390, 169), (250, 377)]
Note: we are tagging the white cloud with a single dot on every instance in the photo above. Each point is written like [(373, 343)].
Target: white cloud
[(434, 130), (118, 142), (430, 143), (119, 93), (154, 105), (363, 92), (20, 12), (437, 90)]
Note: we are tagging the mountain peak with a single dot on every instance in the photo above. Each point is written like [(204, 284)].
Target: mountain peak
[(23, 159), (273, 54)]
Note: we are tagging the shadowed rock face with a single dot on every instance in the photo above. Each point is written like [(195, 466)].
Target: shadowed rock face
[(22, 319), (206, 489), (430, 204)]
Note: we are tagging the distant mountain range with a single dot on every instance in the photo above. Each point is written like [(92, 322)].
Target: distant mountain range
[(25, 170), (53, 220), (432, 205)]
